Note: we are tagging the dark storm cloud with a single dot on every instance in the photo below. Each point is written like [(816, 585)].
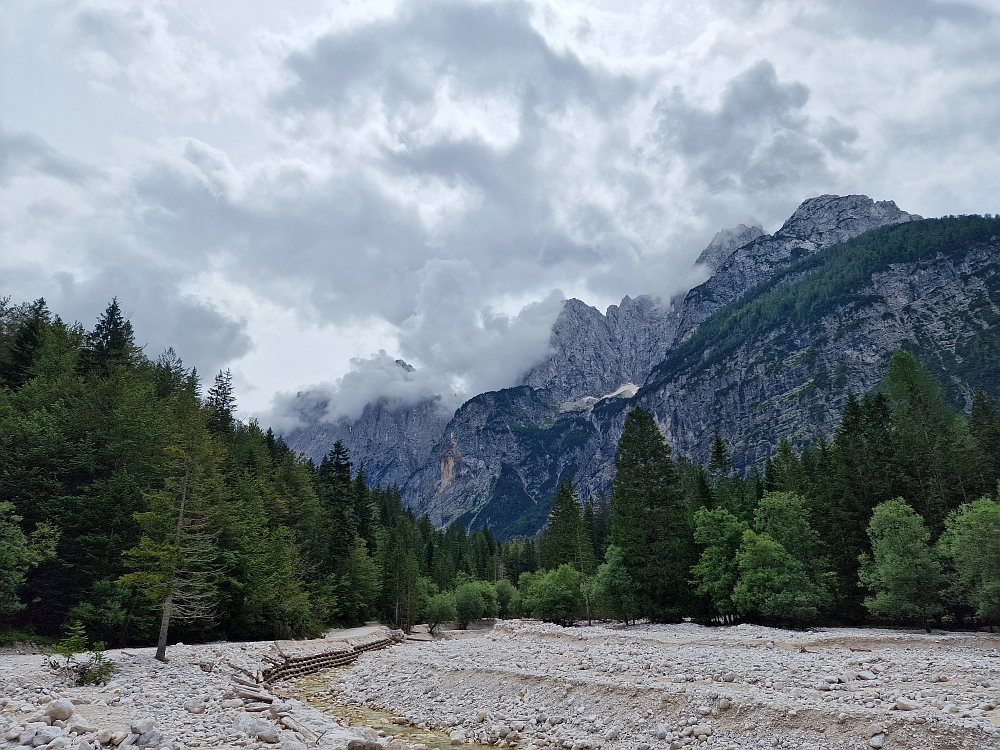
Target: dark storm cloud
[(26, 152), (483, 46), (757, 139)]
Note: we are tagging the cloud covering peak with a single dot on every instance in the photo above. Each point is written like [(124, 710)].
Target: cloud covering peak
[(307, 192)]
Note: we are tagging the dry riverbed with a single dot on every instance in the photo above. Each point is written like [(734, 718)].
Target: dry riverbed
[(539, 687)]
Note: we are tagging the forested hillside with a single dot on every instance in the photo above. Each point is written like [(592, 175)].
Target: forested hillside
[(125, 492), (129, 500)]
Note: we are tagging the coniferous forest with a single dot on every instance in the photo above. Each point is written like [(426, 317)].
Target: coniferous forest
[(134, 502)]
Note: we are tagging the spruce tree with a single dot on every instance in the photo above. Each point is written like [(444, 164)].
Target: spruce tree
[(16, 367), (565, 538), (110, 347), (221, 402), (649, 522)]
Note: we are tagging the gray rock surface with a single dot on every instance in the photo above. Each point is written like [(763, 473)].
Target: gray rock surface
[(393, 440), (498, 459), (817, 223), (594, 354)]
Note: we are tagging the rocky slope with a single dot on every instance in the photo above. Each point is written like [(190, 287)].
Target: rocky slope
[(765, 348), (532, 453), (779, 361), (392, 440), (817, 223)]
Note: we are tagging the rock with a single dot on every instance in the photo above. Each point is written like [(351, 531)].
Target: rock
[(877, 741), (143, 725), (13, 733), (59, 743), (45, 735), (119, 736), (905, 704), (363, 745), (457, 737), (152, 738), (59, 709), (701, 729), (195, 706)]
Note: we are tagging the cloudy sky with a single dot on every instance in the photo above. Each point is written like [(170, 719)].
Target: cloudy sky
[(305, 190)]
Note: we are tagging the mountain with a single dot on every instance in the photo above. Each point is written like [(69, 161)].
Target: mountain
[(393, 440), (765, 348), (504, 448), (778, 361)]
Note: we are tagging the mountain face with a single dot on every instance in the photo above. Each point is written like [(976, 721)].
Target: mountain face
[(779, 361), (817, 223), (765, 348), (392, 440)]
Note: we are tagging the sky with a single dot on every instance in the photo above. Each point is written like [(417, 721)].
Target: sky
[(305, 191)]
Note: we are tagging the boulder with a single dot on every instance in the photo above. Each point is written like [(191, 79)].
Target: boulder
[(59, 709)]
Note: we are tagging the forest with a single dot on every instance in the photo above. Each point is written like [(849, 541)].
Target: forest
[(140, 508)]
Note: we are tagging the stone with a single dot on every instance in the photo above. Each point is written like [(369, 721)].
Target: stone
[(45, 735), (195, 706), (905, 704), (143, 725), (152, 738), (13, 732), (877, 741), (59, 709)]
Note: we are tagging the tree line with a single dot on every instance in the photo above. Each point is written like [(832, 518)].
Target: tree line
[(143, 509), (896, 518)]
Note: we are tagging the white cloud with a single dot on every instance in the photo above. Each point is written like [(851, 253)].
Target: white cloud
[(290, 187)]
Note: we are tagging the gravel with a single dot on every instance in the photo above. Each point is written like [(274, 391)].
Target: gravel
[(190, 702), (534, 686)]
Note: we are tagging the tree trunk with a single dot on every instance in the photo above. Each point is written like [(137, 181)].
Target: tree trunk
[(161, 644)]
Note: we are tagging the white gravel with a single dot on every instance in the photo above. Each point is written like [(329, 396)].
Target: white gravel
[(153, 705), (539, 686), (532, 686)]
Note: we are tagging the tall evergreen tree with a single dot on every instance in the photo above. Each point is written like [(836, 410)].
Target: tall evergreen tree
[(16, 367), (221, 402), (111, 345), (565, 538), (648, 520)]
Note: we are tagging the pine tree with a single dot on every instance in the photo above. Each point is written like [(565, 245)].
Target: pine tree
[(110, 347), (177, 563), (648, 520), (222, 404), (984, 426), (565, 539), (16, 368)]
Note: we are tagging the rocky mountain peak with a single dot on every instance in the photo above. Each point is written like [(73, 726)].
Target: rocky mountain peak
[(829, 219), (725, 243)]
